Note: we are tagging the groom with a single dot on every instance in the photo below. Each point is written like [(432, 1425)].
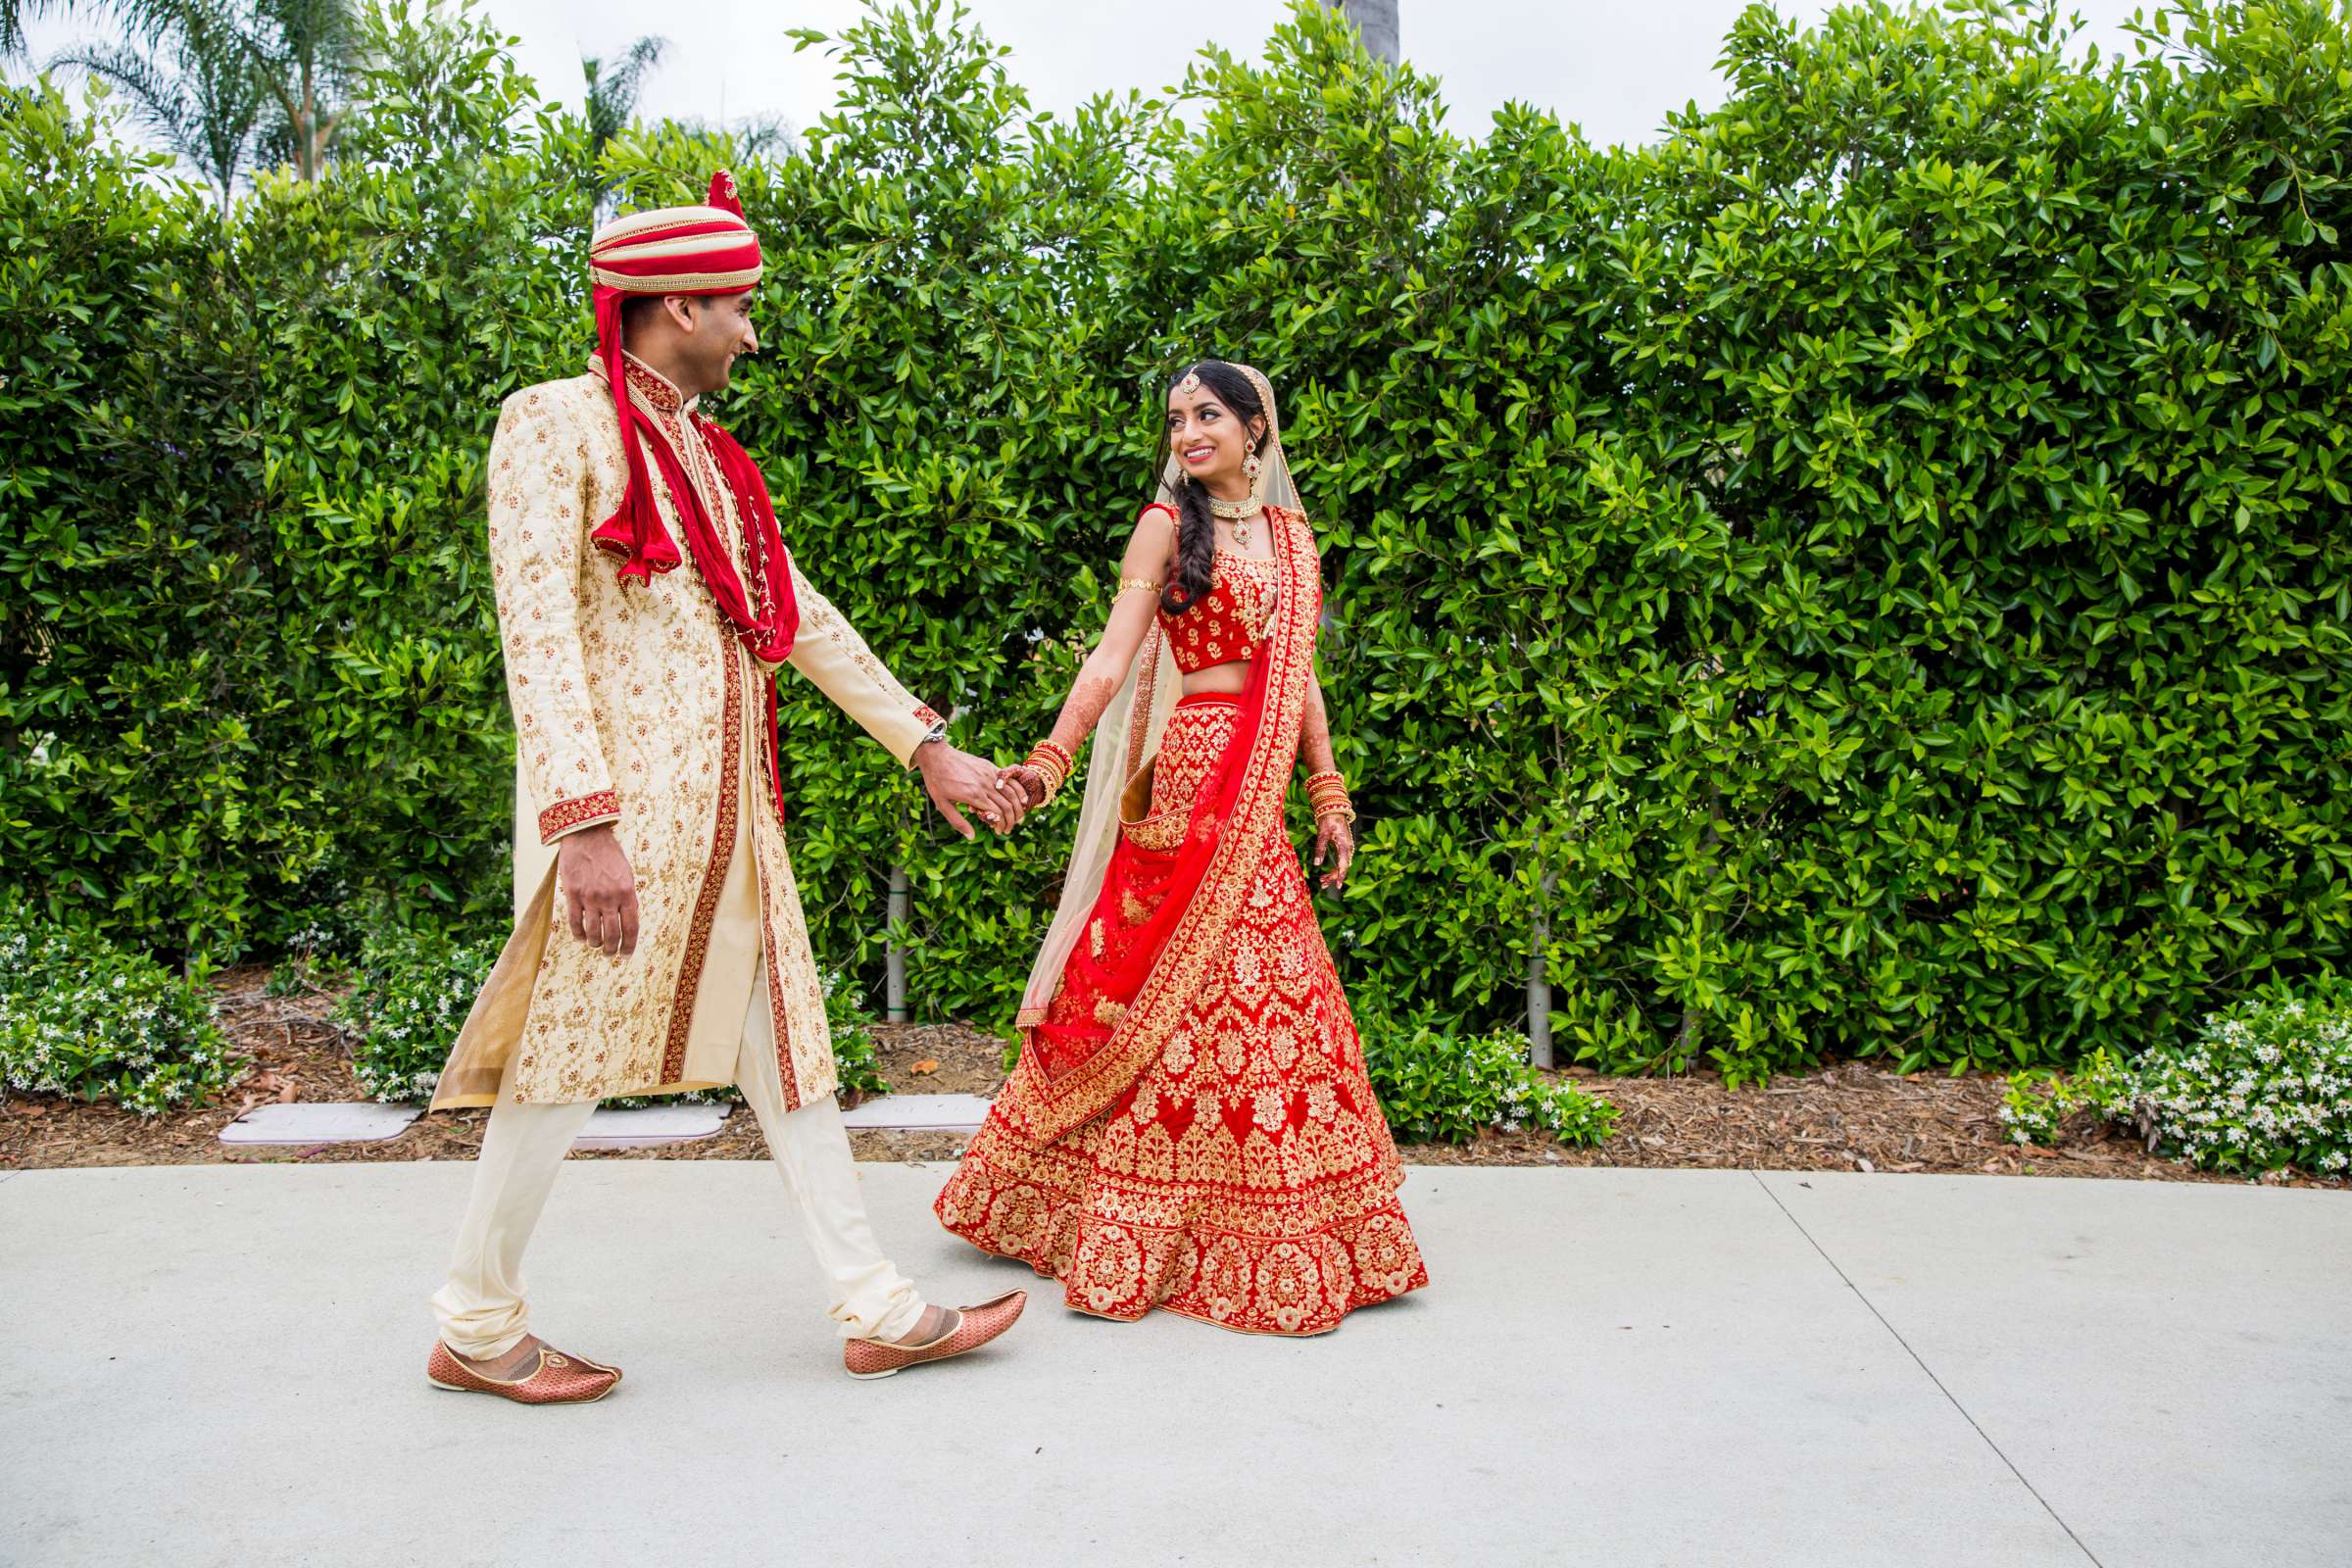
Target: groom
[(659, 944)]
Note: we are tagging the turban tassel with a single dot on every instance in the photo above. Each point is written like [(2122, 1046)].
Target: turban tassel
[(724, 195), (634, 531)]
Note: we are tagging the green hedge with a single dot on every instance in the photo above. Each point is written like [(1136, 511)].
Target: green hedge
[(1866, 574)]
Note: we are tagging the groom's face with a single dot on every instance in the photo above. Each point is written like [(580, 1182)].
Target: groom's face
[(723, 330)]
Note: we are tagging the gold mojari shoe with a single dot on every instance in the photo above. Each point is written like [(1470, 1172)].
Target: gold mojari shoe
[(975, 1327), (558, 1379)]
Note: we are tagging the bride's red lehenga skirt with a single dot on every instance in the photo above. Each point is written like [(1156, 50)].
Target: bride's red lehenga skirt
[(1247, 1177)]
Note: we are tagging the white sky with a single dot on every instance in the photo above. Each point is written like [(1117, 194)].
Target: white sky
[(1615, 68)]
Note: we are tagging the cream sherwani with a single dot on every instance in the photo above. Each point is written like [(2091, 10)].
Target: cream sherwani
[(636, 705)]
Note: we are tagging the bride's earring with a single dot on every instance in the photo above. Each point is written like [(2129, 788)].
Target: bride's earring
[(1250, 466)]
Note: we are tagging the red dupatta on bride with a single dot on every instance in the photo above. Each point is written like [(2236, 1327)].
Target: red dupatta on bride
[(1175, 883)]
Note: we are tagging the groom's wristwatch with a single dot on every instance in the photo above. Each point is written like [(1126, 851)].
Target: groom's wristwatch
[(937, 732)]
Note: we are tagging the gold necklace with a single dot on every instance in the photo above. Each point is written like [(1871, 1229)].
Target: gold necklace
[(1236, 513)]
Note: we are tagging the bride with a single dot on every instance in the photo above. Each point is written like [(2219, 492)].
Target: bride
[(1190, 1125)]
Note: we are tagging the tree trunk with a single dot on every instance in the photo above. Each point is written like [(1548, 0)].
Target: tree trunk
[(1686, 1032), (1538, 981), (306, 156), (894, 952), (1375, 23)]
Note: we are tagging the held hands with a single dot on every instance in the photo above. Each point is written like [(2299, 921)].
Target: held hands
[(1333, 834), (599, 890), (1028, 780), (956, 778)]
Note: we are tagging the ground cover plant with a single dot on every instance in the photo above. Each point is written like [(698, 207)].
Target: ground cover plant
[(83, 1017), (2261, 1086), (1438, 1088), (410, 994), (1865, 573)]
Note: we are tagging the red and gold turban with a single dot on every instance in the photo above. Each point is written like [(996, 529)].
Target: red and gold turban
[(670, 249)]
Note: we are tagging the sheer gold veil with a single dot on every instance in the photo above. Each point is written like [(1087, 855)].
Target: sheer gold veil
[(1127, 737)]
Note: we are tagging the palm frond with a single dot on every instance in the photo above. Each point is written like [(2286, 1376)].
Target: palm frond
[(159, 101), (628, 79), (199, 93), (612, 95)]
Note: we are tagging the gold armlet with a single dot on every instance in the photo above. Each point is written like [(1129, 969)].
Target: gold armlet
[(1137, 585)]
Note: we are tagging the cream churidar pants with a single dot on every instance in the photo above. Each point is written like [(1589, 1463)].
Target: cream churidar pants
[(481, 1306)]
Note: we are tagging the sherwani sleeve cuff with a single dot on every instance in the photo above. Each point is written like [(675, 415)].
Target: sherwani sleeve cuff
[(585, 810), (900, 731)]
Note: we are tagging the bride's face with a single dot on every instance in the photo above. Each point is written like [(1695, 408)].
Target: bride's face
[(1206, 437)]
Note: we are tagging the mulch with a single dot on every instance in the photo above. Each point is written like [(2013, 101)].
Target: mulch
[(1852, 1116)]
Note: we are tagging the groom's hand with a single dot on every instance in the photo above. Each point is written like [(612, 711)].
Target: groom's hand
[(600, 889), (956, 778)]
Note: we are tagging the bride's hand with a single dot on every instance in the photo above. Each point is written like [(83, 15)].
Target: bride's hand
[(1333, 835), (1031, 782)]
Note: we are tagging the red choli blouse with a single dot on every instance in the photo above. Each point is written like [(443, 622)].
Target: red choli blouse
[(1230, 618)]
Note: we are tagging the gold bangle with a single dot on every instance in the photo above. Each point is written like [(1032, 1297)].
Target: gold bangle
[(1327, 796), (1053, 764)]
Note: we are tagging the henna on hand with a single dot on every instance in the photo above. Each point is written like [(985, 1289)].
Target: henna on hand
[(1332, 834), (1082, 709), (1027, 779), (954, 777), (1314, 732)]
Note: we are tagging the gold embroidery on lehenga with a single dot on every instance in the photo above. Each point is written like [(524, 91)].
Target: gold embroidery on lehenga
[(1246, 1175)]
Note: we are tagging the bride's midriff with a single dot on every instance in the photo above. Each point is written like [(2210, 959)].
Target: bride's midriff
[(1226, 679)]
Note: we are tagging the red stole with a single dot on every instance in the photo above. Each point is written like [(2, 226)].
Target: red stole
[(767, 632)]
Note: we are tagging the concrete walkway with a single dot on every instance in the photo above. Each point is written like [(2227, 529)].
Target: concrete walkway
[(1683, 1368)]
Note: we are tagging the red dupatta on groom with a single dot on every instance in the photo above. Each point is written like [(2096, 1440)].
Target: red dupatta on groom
[(1175, 883)]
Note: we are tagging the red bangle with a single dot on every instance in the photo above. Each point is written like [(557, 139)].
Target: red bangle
[(1053, 767)]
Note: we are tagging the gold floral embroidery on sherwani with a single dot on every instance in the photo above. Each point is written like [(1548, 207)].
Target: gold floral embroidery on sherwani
[(638, 705)]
